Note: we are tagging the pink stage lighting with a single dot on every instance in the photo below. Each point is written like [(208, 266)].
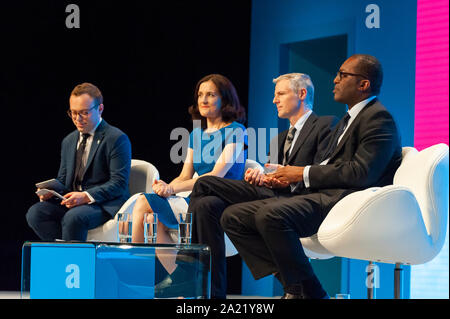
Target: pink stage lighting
[(432, 69)]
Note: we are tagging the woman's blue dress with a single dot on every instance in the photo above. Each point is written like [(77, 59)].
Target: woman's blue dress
[(207, 147)]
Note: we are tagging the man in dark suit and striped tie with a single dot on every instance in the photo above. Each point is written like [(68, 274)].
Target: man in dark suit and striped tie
[(95, 168)]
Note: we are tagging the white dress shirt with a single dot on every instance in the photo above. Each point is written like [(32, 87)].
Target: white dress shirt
[(353, 113)]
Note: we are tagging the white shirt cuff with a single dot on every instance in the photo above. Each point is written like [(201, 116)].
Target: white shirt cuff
[(306, 176), (91, 199)]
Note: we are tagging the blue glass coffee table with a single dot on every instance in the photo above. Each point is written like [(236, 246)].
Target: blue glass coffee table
[(88, 270)]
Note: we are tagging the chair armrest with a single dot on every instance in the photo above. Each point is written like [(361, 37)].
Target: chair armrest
[(380, 224)]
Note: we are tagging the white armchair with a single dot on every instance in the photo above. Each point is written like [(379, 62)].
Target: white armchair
[(142, 175), (403, 223)]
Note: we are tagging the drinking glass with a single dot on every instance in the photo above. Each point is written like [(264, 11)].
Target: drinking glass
[(124, 227), (150, 227), (185, 228)]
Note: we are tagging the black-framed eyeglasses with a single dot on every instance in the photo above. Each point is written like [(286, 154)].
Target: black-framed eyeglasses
[(341, 74), (84, 113)]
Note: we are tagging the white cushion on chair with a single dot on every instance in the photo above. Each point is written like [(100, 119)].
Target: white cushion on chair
[(104, 233)]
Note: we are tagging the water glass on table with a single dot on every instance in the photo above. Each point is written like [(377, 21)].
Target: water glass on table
[(124, 227), (185, 228), (150, 227)]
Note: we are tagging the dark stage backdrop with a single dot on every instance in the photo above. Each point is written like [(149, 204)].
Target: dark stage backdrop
[(145, 56)]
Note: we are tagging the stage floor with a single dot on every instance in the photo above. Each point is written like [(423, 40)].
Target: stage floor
[(16, 295)]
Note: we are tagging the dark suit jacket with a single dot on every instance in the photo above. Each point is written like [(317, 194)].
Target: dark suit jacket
[(107, 169), (368, 155), (315, 130)]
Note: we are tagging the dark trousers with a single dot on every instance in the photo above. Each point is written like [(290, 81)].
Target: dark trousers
[(263, 224), (207, 205), (50, 220)]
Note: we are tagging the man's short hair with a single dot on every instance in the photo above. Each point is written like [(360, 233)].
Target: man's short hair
[(89, 89), (299, 81), (370, 67)]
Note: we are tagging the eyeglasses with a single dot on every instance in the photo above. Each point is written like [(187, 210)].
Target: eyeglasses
[(341, 74), (84, 113)]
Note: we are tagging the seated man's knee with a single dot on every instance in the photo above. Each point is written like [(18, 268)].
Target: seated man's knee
[(202, 185), (266, 218), (207, 206), (73, 219), (206, 179), (229, 216), (35, 214), (32, 216)]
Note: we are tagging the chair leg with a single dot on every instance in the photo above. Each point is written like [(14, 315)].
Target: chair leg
[(371, 280), (398, 281)]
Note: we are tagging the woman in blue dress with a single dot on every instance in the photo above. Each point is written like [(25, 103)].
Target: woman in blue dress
[(216, 147)]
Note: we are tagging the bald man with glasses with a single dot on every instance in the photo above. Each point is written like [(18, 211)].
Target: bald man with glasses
[(95, 168)]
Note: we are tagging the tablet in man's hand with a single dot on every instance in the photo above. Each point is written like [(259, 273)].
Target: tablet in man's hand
[(53, 184), (44, 191)]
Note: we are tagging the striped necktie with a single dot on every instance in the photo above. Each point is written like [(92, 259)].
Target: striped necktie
[(79, 167), (288, 143)]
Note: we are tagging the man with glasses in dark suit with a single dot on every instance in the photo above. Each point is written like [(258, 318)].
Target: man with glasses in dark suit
[(94, 168)]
